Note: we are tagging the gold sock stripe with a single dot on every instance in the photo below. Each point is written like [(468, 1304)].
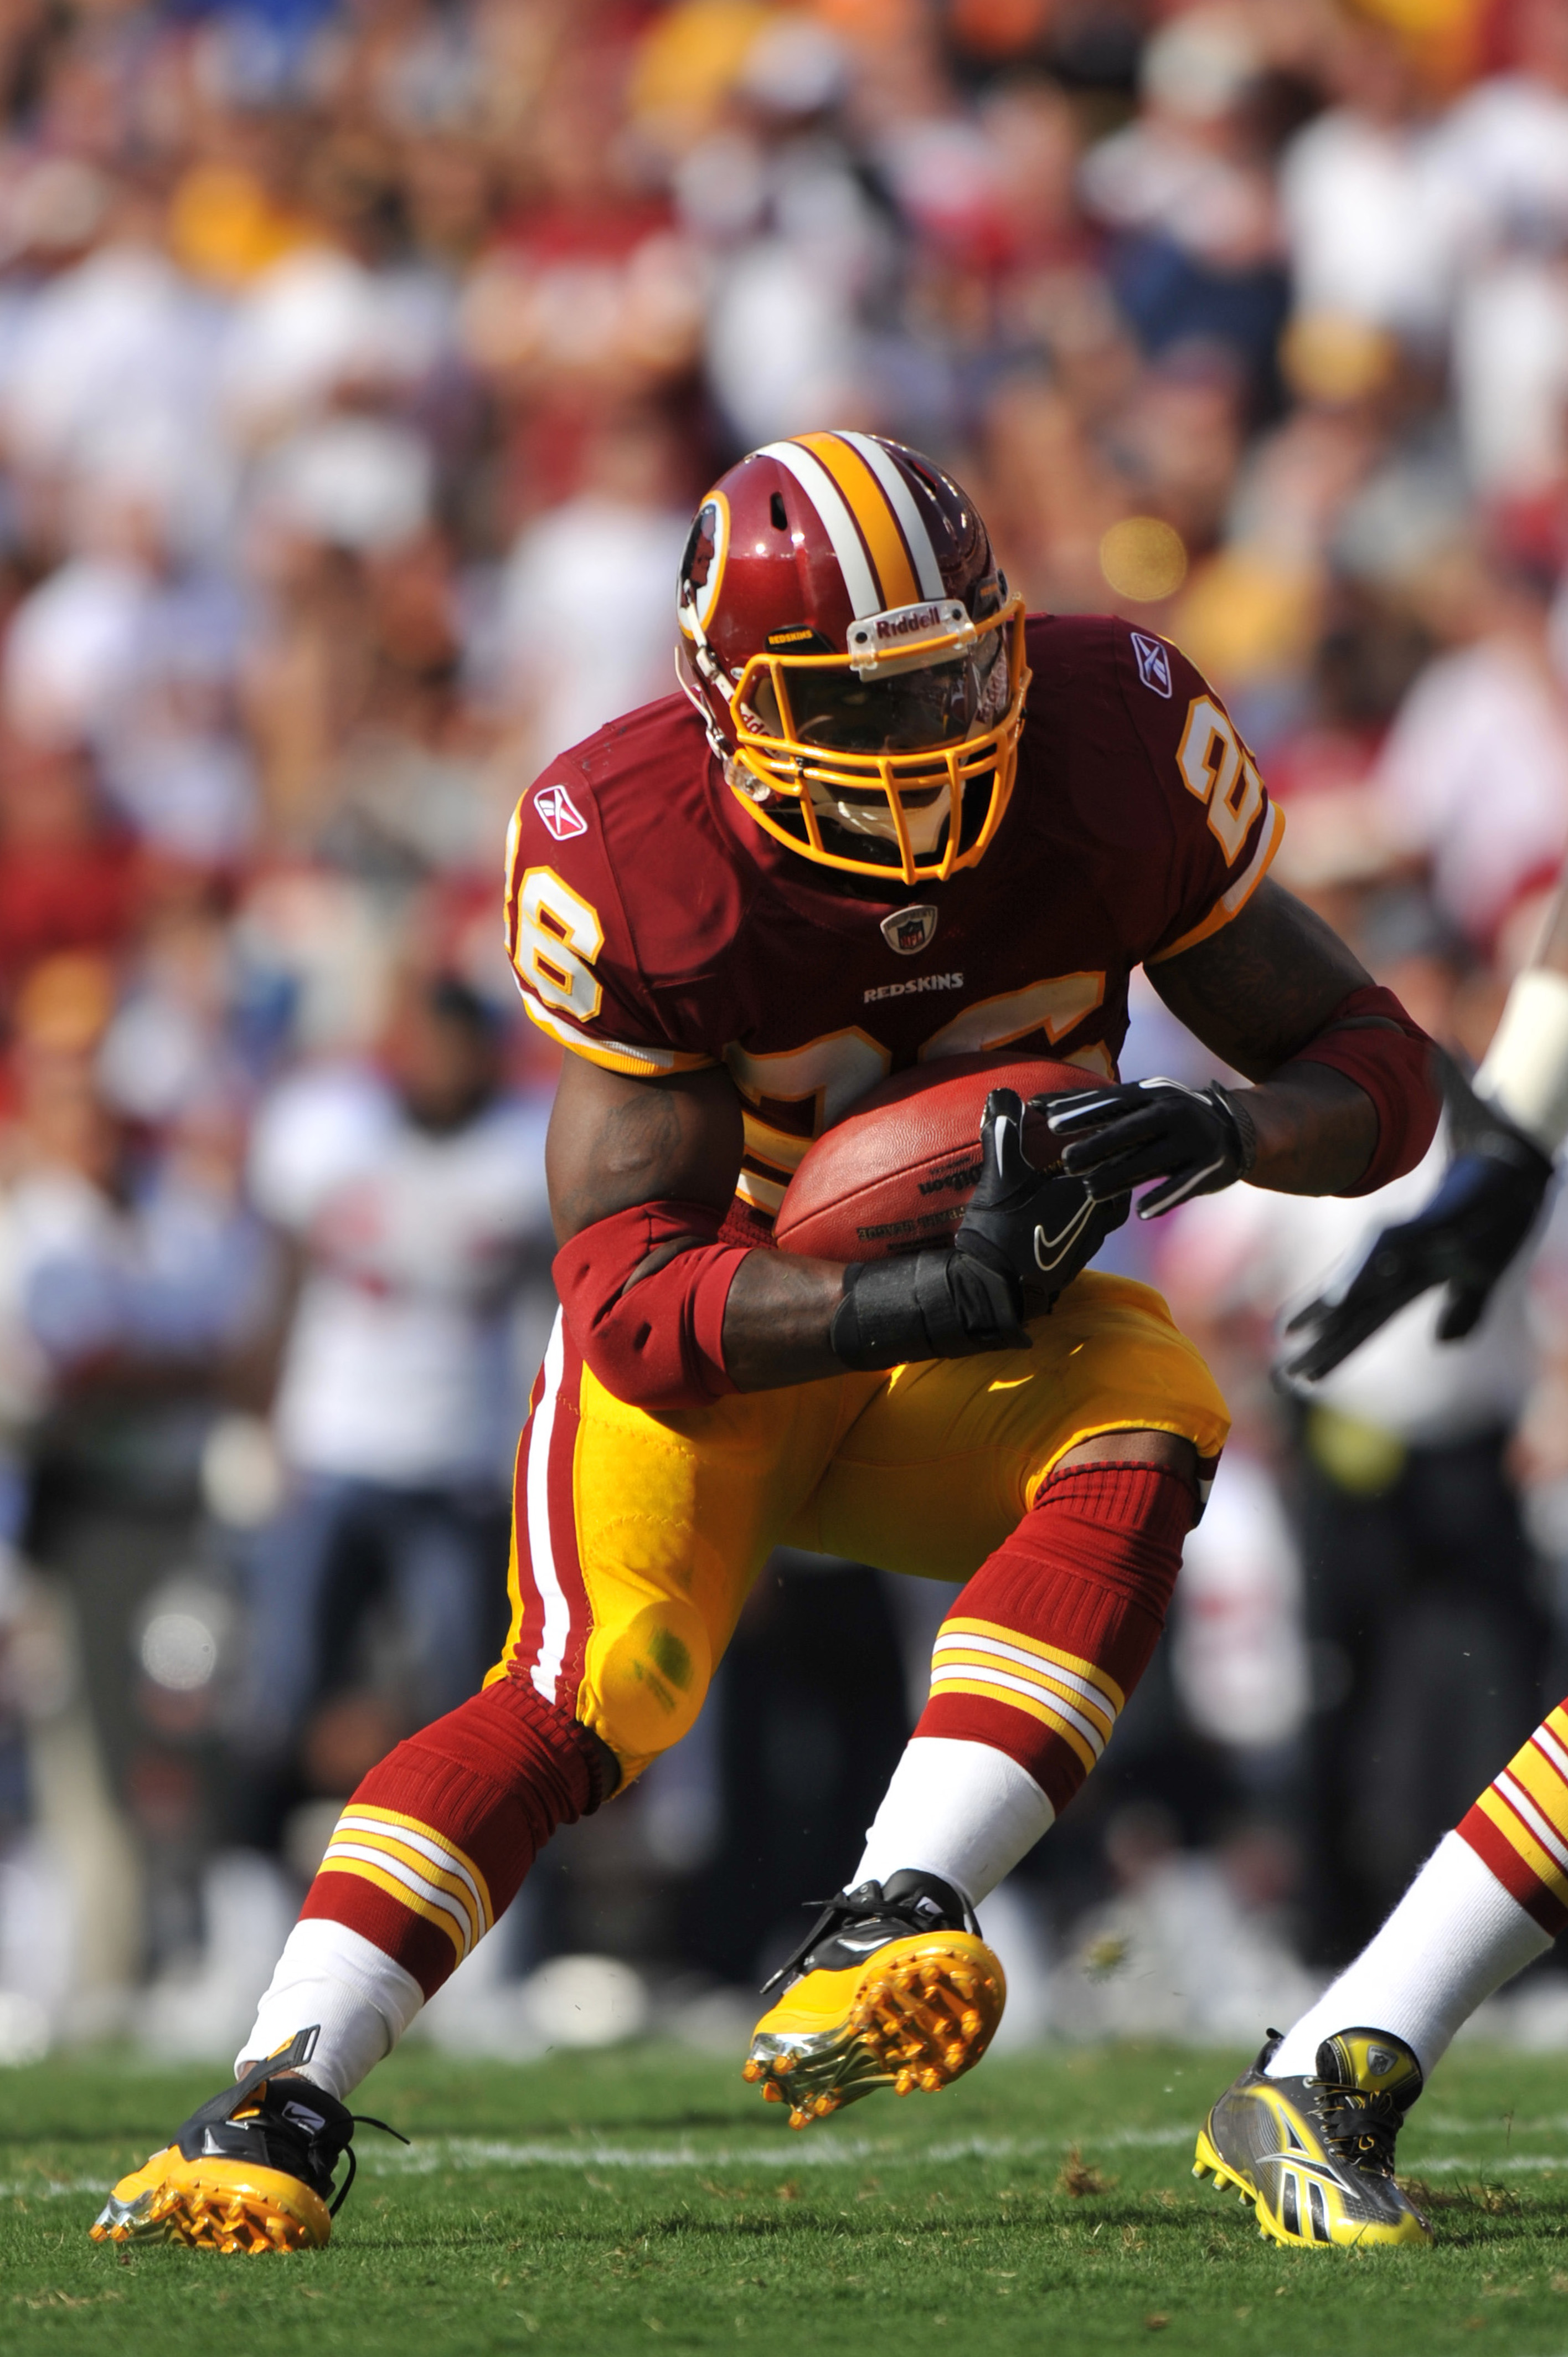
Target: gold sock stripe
[(434, 1844), (396, 1856), (416, 1865), (997, 1656), (1074, 1664), (1546, 1783), (1067, 1700), (1018, 1696), (1552, 1737), (972, 1676), (1527, 1805), (1521, 1826), (406, 1887)]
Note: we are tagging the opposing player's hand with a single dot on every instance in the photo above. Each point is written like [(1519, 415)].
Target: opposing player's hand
[(1464, 1238), (1039, 1226), (1122, 1135)]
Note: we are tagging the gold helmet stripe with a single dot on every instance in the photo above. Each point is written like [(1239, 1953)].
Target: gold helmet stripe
[(912, 523), (814, 480), (873, 511)]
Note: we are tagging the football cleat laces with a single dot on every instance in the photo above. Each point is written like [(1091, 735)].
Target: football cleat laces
[(1314, 2156), (250, 2169)]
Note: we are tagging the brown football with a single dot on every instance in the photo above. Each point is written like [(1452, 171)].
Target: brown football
[(898, 1171)]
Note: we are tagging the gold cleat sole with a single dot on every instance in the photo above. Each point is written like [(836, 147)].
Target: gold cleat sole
[(915, 2017), (214, 2205)]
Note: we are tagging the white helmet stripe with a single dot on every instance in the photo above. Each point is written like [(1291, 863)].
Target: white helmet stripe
[(901, 501), (837, 522)]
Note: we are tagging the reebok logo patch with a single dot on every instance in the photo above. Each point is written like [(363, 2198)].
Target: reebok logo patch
[(561, 813), (1153, 662)]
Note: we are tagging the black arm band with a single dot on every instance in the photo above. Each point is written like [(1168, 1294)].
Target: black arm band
[(1234, 1107), (927, 1304)]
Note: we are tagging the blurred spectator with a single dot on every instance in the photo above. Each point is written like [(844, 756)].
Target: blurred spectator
[(610, 553), (1474, 777), (414, 1197)]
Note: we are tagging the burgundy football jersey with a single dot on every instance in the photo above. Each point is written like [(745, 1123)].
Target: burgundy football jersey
[(654, 929)]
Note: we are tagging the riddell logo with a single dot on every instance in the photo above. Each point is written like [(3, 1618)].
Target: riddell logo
[(908, 621), (560, 813)]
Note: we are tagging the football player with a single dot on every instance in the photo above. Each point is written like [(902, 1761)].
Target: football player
[(889, 820), (1308, 2134)]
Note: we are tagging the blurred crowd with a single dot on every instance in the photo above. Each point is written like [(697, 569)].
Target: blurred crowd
[(359, 363)]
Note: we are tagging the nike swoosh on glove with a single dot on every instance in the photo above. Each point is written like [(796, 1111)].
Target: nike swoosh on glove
[(1040, 1226), (1484, 1207), (1122, 1135)]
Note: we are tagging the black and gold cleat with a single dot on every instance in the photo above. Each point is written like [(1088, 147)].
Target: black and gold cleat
[(1315, 2156), (892, 1987), (250, 2170)]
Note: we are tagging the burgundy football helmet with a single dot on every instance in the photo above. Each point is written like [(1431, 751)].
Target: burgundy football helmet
[(855, 656)]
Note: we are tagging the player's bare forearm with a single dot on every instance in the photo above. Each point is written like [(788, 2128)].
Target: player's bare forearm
[(615, 1142), (776, 1320), (1256, 993), (1317, 1131)]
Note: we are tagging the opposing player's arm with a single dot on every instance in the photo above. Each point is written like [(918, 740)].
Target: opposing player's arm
[(1506, 1130), (1344, 1096)]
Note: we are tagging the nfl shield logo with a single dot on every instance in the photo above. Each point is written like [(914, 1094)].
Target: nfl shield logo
[(909, 931)]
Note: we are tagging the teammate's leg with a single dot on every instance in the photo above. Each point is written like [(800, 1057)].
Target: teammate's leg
[(1073, 1472), (1492, 1897)]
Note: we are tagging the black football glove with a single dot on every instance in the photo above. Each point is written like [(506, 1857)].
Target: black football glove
[(1041, 1226), (1120, 1137), (1464, 1238), (1026, 1234)]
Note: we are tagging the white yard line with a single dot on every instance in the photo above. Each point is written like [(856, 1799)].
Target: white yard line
[(844, 2152)]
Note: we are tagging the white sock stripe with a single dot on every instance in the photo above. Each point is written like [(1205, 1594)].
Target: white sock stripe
[(1523, 1807), (428, 1846), (541, 1552), (1042, 1689), (1053, 1701), (901, 500), (410, 1879), (837, 522), (1077, 1684), (1546, 1743)]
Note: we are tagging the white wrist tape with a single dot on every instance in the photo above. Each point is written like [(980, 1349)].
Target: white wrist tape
[(1525, 1073)]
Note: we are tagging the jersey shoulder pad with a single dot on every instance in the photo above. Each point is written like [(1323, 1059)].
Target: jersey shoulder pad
[(596, 875), (1225, 829)]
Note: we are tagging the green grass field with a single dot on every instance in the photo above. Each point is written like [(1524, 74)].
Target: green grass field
[(643, 2199)]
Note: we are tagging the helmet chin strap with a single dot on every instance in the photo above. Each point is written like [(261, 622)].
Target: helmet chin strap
[(709, 667)]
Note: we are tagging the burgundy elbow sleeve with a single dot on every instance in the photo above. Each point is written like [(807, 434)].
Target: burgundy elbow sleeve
[(1396, 1068), (658, 1344)]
